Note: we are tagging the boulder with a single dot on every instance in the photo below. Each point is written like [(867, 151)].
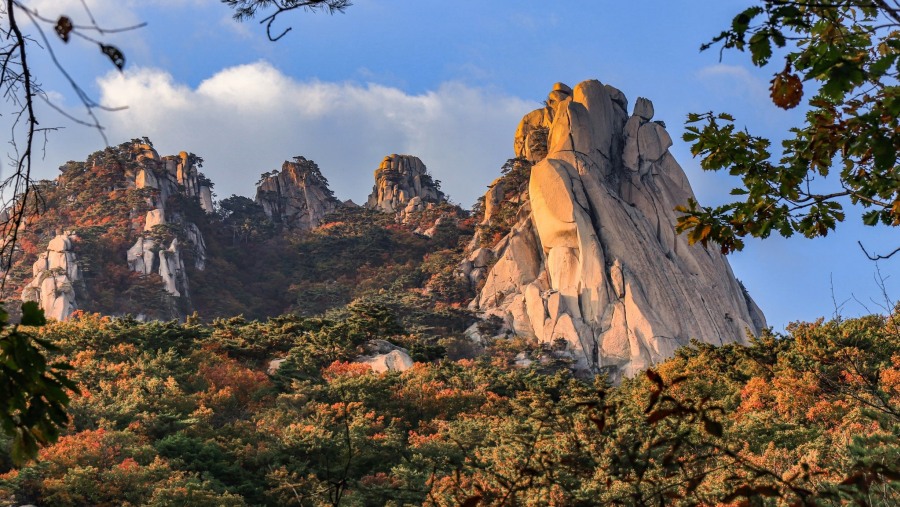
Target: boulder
[(394, 360), (383, 356), (531, 137), (653, 141), (643, 109)]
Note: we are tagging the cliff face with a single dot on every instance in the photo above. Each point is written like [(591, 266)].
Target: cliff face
[(126, 212), (575, 248), (593, 261), (402, 181), (56, 272), (166, 177), (298, 196)]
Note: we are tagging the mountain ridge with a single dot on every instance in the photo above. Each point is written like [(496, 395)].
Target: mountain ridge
[(573, 246)]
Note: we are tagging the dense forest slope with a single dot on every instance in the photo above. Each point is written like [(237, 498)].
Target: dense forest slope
[(186, 414)]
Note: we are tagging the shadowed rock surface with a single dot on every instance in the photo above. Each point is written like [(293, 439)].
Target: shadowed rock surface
[(298, 196)]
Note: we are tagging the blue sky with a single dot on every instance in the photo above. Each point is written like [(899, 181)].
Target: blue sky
[(447, 81)]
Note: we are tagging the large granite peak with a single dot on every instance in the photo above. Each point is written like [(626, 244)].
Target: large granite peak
[(298, 196), (400, 180), (594, 262)]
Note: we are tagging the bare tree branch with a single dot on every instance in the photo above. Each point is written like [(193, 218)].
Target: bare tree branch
[(877, 257)]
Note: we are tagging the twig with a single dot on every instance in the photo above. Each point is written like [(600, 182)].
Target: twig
[(877, 257)]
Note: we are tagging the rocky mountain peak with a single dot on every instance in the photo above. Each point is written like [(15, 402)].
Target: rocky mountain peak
[(531, 135), (593, 262), (168, 176), (129, 216), (297, 196), (401, 180)]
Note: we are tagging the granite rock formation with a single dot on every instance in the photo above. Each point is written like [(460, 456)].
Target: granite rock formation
[(165, 177), (533, 131), (155, 194), (55, 274), (298, 196), (171, 174), (593, 262), (402, 184)]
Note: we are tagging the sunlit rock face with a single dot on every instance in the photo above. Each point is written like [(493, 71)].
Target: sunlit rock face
[(150, 201), (593, 262), (166, 177), (170, 175), (402, 184), (55, 273), (298, 196)]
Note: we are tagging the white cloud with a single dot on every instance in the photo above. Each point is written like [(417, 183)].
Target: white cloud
[(246, 120), (734, 80), (236, 27)]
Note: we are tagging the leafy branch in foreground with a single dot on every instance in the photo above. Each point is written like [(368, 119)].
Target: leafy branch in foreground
[(22, 90), (33, 396), (850, 51)]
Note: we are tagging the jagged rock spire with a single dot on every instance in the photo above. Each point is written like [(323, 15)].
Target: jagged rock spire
[(169, 175), (596, 263), (399, 180), (298, 196)]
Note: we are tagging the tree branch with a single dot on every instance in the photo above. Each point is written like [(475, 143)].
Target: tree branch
[(877, 257)]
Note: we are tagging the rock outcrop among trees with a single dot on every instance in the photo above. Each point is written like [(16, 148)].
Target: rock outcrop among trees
[(130, 220), (298, 196), (402, 184), (165, 177), (593, 266), (55, 274)]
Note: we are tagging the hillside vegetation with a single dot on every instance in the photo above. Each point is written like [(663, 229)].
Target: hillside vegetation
[(186, 414)]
